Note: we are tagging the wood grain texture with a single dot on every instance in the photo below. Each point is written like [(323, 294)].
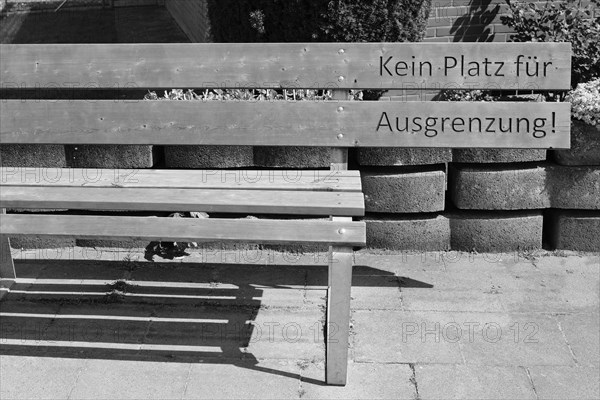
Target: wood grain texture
[(331, 124), (7, 266), (207, 200), (338, 312), (301, 65), (303, 180), (186, 229)]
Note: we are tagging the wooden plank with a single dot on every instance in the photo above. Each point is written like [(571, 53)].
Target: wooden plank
[(207, 200), (339, 155), (338, 311), (301, 65), (331, 124), (186, 229), (310, 180)]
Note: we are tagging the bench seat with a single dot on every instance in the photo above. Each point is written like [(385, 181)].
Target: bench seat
[(339, 233), (302, 194)]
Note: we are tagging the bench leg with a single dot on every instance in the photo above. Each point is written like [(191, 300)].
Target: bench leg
[(338, 314), (7, 266)]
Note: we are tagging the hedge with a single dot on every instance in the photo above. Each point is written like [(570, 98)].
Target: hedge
[(318, 20)]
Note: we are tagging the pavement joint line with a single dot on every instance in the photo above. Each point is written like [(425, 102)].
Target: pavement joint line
[(400, 293), (460, 344), (531, 382), (567, 342), (77, 377), (413, 380), (187, 381)]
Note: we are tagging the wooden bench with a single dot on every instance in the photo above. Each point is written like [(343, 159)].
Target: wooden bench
[(337, 124)]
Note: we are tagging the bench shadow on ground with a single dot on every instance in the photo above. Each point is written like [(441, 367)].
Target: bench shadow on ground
[(170, 312)]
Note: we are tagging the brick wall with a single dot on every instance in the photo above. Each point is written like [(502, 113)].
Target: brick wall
[(466, 21), (192, 17)]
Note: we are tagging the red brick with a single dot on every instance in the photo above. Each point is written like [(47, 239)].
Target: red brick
[(437, 39)]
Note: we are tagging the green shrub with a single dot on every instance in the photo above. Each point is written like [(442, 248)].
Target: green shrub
[(585, 102), (318, 20), (561, 21)]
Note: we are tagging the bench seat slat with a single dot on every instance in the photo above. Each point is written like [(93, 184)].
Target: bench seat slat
[(208, 200), (186, 229), (311, 180)]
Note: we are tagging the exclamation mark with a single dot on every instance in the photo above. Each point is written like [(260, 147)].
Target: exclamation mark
[(553, 121)]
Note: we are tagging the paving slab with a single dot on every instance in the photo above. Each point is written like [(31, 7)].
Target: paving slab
[(38, 377), (365, 381), (115, 379), (407, 311), (387, 297), (502, 339), (285, 333), (549, 285), (403, 337), (447, 382), (582, 333), (450, 291), (267, 379), (566, 382)]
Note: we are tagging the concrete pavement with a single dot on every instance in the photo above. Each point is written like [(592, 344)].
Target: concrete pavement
[(105, 323)]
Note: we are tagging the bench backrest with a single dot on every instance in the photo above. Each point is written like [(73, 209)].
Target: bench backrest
[(335, 123)]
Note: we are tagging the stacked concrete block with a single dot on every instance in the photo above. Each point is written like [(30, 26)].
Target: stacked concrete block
[(36, 157), (210, 157), (402, 156), (402, 203), (116, 157), (574, 230), (496, 231), (575, 223), (292, 157), (523, 187), (486, 187), (396, 191), (497, 155), (111, 156), (585, 146), (32, 155), (423, 232)]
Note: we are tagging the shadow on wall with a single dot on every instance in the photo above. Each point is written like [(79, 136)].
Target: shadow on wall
[(474, 26), (91, 25)]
